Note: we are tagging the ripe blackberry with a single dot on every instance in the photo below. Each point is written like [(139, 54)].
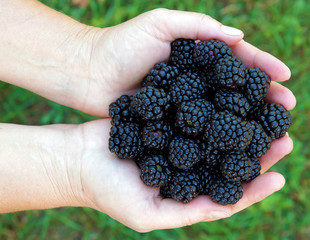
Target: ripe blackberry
[(181, 54), (226, 192), (255, 171), (260, 142), (232, 101), (120, 110), (188, 86), (183, 153), (275, 120), (236, 166), (155, 171), (208, 174), (192, 116), (228, 132), (230, 72), (151, 103), (185, 185), (161, 76), (208, 53), (125, 140), (156, 135), (257, 84)]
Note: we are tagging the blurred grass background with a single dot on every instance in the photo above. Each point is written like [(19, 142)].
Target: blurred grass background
[(278, 27)]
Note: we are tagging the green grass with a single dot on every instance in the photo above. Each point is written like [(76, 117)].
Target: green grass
[(278, 27)]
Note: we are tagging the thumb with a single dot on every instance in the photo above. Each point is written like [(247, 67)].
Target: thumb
[(173, 24)]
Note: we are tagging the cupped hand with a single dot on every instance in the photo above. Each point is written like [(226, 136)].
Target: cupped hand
[(113, 186), (122, 55)]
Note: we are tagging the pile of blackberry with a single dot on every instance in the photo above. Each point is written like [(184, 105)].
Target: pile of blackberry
[(199, 124)]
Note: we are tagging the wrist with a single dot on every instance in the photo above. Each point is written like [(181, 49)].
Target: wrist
[(39, 168)]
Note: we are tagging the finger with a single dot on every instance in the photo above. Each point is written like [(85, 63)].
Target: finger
[(179, 24), (279, 148), (281, 95), (253, 57), (258, 189)]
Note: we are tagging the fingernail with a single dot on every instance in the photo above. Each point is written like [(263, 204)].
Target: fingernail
[(230, 30)]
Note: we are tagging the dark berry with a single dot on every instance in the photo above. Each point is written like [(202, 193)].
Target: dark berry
[(185, 185), (275, 120), (226, 192), (192, 116), (230, 72), (155, 171), (183, 153), (151, 103), (188, 86), (125, 140), (161, 76)]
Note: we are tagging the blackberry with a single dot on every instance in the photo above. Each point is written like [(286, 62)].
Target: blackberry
[(185, 185), (155, 171), (183, 153), (188, 86), (255, 171), (120, 110), (208, 53), (151, 103), (181, 54), (161, 76), (232, 101), (228, 132), (226, 192), (230, 72), (257, 84), (193, 115), (156, 135), (275, 120), (236, 166), (260, 142), (208, 174), (125, 140)]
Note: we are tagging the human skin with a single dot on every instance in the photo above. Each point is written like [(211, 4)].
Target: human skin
[(87, 68)]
